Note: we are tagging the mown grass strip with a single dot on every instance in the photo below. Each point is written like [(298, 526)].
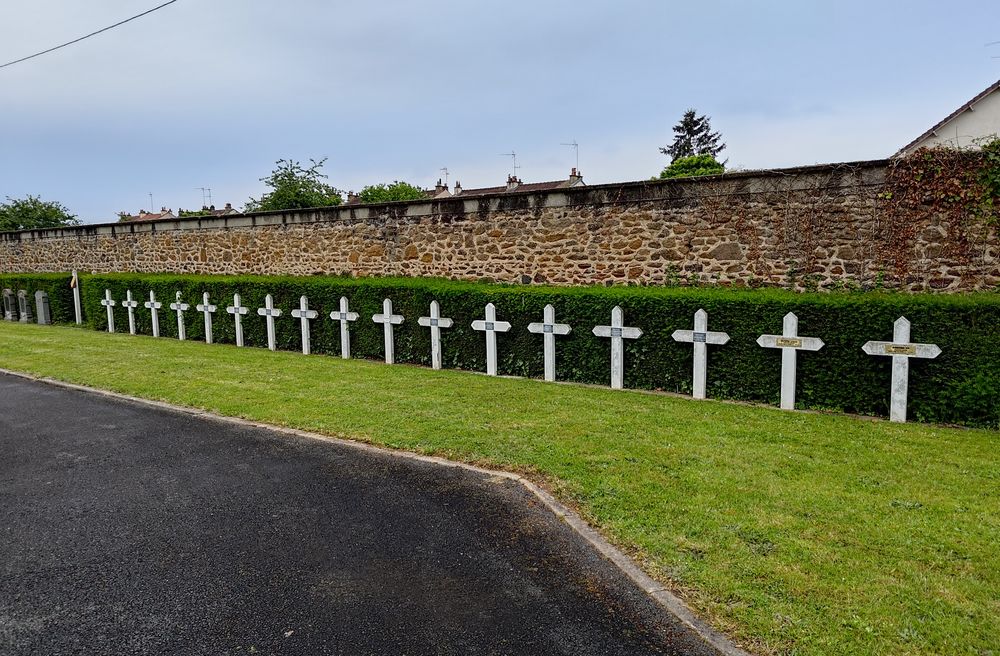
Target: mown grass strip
[(794, 533)]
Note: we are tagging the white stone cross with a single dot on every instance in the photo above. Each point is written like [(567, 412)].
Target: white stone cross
[(154, 309), (549, 328), (435, 322), (304, 314), (207, 309), (344, 316), (701, 338), (130, 305), (237, 310), (901, 351), (109, 304), (617, 331), (388, 320), (77, 304), (491, 327), (180, 307), (790, 344), (270, 312)]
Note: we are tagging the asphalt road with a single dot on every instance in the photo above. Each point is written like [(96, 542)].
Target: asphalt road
[(126, 529)]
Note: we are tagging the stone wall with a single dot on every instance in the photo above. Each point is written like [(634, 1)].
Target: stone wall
[(807, 227)]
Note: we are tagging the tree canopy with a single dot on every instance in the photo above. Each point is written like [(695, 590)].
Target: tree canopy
[(32, 213), (295, 187), (695, 165), (385, 193), (693, 136)]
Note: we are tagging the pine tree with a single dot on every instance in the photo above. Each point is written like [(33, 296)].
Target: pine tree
[(693, 136)]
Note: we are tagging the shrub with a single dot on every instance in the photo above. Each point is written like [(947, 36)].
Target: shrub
[(961, 386)]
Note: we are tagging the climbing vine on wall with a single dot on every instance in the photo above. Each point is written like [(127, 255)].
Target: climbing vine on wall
[(956, 189)]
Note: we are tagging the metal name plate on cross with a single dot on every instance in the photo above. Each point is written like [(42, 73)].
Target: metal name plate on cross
[(491, 327), (109, 305), (238, 312), (269, 312), (180, 308), (207, 309), (701, 337), (130, 305), (435, 322), (549, 328), (344, 316), (617, 331), (154, 310), (790, 344), (388, 321), (304, 314), (901, 350)]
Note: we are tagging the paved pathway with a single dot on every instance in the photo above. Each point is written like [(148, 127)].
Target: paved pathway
[(126, 529)]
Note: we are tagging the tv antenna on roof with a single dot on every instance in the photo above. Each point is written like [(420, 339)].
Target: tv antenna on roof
[(150, 201), (444, 169), (513, 156), (206, 192), (576, 147)]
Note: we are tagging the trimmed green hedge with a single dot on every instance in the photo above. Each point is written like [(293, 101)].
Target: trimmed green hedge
[(961, 386)]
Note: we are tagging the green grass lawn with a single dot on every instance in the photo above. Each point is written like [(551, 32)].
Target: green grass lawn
[(793, 533)]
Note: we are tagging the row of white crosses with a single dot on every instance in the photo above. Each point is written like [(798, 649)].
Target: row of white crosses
[(789, 341)]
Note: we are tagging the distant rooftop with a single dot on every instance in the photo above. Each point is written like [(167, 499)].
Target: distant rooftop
[(514, 183)]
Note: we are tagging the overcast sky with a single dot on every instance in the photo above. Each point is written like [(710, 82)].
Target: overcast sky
[(209, 93)]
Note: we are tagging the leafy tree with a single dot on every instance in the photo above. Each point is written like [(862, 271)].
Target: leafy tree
[(34, 213), (695, 165), (294, 187), (385, 193), (693, 136)]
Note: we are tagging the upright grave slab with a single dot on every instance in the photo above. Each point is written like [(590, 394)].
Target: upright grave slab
[(701, 337), (617, 331), (9, 305), (435, 322), (270, 313), (238, 312), (130, 305), (180, 307), (42, 309), (206, 308), (549, 328), (344, 316), (74, 284), (388, 321), (154, 311), (23, 306), (491, 327), (304, 315), (109, 305), (790, 344), (900, 350)]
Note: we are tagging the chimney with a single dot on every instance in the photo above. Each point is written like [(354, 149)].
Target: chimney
[(512, 182), (438, 188), (229, 206), (353, 197), (458, 187), (575, 177)]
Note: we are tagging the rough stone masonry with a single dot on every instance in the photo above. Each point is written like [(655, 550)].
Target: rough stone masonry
[(802, 228)]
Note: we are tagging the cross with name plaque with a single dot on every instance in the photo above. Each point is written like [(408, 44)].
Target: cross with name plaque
[(435, 322), (238, 311), (109, 304), (549, 328), (304, 314), (790, 344), (154, 310), (180, 307), (207, 309), (701, 338), (901, 350), (491, 327), (130, 305), (617, 331), (388, 321), (269, 312), (344, 316)]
